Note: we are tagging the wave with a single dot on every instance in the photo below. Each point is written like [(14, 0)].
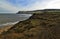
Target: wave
[(10, 23)]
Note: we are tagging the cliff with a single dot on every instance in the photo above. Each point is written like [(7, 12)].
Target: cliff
[(38, 26), (39, 11)]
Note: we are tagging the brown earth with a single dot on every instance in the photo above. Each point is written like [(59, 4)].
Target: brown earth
[(5, 28), (38, 26)]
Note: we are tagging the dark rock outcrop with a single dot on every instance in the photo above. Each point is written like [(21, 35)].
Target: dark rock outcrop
[(38, 26)]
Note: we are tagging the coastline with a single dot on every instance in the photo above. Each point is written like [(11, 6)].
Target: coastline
[(10, 23), (6, 26)]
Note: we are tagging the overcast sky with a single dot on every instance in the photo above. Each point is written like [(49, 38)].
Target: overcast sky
[(7, 6)]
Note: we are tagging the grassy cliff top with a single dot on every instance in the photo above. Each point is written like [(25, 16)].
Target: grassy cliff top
[(38, 26)]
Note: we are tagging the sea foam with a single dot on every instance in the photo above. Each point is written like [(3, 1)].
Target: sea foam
[(10, 23)]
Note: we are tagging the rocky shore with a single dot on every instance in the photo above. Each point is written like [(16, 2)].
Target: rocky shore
[(39, 26)]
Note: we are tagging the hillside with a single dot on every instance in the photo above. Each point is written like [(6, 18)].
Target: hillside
[(38, 26)]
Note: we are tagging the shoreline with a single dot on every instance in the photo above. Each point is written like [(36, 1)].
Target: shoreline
[(5, 27), (10, 23)]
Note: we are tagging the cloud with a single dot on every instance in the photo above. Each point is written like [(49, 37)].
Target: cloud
[(2, 10), (14, 6), (8, 7), (25, 5), (38, 5), (54, 4)]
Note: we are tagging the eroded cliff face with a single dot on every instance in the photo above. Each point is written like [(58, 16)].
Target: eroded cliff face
[(38, 26)]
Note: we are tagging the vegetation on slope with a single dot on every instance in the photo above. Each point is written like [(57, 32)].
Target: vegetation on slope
[(38, 26)]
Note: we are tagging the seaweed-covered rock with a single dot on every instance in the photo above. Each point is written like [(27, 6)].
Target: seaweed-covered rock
[(38, 26)]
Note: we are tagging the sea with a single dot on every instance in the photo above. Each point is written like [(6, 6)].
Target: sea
[(11, 19)]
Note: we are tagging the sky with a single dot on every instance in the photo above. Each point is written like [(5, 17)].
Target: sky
[(13, 6)]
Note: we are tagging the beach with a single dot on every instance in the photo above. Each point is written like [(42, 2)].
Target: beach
[(5, 27)]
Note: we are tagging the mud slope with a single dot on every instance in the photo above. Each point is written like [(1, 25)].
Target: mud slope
[(38, 26)]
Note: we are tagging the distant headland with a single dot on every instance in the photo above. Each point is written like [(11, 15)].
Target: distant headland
[(38, 11)]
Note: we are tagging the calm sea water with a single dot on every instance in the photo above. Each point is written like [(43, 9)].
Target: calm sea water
[(11, 18)]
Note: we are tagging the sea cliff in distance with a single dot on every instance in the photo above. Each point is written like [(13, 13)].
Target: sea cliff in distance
[(44, 25), (38, 11)]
